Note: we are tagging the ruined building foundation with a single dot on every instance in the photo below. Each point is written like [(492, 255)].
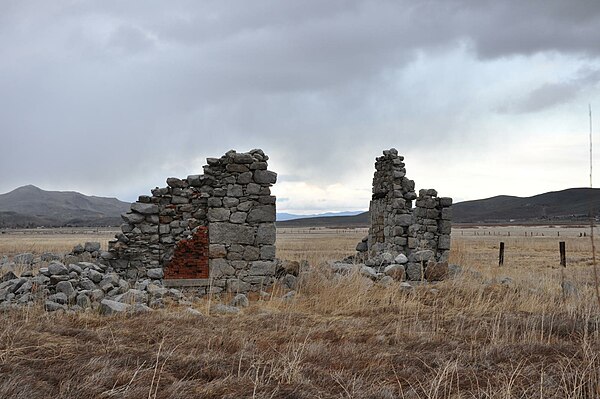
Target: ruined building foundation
[(421, 233), (214, 231)]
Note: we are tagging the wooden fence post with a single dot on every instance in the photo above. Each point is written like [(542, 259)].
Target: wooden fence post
[(563, 254), (501, 256)]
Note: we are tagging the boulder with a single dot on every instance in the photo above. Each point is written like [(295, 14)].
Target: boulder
[(395, 271), (23, 259), (369, 272), (289, 281), (7, 277), (91, 246), (51, 306), (145, 209), (413, 271), (420, 256), (57, 269), (108, 307), (401, 259), (362, 246), (240, 300), (155, 274)]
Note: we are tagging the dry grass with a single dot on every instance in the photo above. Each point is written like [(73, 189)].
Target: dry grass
[(38, 241), (340, 337)]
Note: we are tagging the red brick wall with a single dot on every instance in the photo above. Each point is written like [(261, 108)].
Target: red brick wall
[(190, 259)]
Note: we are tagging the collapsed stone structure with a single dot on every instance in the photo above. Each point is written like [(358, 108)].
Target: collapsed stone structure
[(214, 231), (421, 233)]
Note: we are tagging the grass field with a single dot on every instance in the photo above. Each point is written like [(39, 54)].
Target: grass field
[(470, 337)]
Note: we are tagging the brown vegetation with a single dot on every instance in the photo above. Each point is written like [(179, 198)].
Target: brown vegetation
[(470, 337)]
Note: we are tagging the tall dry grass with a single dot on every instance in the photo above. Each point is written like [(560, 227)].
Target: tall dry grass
[(469, 337)]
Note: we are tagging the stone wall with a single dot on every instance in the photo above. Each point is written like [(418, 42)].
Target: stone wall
[(421, 233), (214, 231)]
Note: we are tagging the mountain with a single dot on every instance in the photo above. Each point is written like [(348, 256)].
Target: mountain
[(282, 216), (572, 204), (30, 206), (360, 220)]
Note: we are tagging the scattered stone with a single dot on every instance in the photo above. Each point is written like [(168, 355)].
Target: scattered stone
[(369, 272), (23, 259), (109, 307), (289, 281), (220, 308), (193, 312), (401, 259), (386, 281), (66, 288), (395, 271), (57, 269), (51, 306), (155, 274), (240, 300), (91, 246), (7, 277)]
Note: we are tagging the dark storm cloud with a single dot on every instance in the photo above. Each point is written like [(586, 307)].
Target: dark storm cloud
[(110, 96), (553, 94)]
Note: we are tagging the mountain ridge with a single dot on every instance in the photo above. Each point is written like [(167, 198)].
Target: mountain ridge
[(31, 206), (569, 205)]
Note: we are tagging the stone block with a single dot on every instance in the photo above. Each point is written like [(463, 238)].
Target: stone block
[(262, 268), (218, 214), (176, 183), (445, 201), (220, 268), (263, 213), (266, 234), (217, 251), (251, 253), (265, 177), (144, 209), (447, 213), (404, 219), (228, 233), (238, 217), (267, 252), (252, 189), (444, 242), (414, 271)]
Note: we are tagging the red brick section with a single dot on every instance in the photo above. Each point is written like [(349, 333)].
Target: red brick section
[(190, 259)]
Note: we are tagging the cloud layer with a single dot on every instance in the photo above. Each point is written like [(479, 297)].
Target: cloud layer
[(111, 97)]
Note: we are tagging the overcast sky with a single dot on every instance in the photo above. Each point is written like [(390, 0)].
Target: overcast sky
[(482, 98)]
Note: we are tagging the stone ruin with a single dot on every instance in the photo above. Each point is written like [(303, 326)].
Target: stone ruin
[(417, 238), (214, 232)]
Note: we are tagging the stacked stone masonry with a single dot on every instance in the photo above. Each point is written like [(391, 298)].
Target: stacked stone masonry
[(214, 231), (421, 233)]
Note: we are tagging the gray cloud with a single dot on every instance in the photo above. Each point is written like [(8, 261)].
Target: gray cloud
[(111, 97), (552, 94)]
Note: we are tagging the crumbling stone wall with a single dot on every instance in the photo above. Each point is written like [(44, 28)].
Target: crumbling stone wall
[(214, 231), (421, 233)]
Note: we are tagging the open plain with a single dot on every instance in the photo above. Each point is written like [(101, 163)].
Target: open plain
[(527, 329)]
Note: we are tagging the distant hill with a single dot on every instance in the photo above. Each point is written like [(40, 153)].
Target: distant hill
[(557, 206), (360, 220), (565, 205), (30, 206), (291, 216)]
